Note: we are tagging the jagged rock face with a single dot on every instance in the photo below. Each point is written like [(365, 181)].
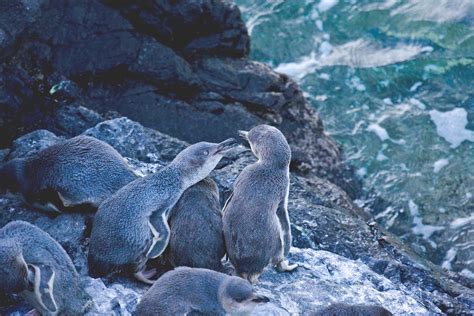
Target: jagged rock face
[(178, 67), (365, 265)]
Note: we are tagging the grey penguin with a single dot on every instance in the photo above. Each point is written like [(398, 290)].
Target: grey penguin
[(255, 219), (35, 266), (341, 309), (186, 291), (196, 238), (79, 171), (131, 226)]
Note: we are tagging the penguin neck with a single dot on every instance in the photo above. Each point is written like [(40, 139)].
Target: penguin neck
[(272, 163), (172, 173)]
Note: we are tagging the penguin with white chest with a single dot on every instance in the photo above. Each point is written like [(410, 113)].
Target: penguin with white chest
[(131, 226), (35, 266), (255, 218)]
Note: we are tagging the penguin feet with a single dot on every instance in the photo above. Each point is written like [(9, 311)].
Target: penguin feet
[(285, 266), (251, 277), (145, 276)]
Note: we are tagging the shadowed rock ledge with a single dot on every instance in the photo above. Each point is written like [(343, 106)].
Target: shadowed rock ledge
[(177, 67)]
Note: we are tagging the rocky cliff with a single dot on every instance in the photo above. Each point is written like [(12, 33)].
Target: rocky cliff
[(179, 70)]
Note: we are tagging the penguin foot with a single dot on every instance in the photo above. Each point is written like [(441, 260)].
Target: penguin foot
[(145, 276), (252, 278), (285, 266)]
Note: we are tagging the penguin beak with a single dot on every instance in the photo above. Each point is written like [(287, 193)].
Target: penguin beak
[(244, 135), (260, 299), (226, 146)]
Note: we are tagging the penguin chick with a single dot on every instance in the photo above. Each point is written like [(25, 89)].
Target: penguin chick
[(186, 291), (255, 218), (131, 226), (196, 228), (35, 266), (340, 309), (79, 171)]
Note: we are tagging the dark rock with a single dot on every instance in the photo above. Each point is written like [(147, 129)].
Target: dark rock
[(191, 27), (32, 142), (133, 140)]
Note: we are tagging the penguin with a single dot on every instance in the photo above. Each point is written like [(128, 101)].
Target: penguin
[(186, 291), (196, 238), (81, 171), (340, 309), (131, 226), (256, 224), (35, 266)]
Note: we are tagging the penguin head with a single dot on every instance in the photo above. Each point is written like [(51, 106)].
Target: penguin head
[(236, 296), (268, 144), (13, 268), (198, 160)]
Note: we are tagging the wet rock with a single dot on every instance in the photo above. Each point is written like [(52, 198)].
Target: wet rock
[(324, 278), (375, 263)]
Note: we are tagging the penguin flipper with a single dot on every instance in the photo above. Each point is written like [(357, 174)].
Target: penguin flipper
[(42, 278), (161, 233), (227, 202)]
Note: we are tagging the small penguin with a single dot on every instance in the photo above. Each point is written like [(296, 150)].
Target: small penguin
[(131, 226), (255, 218), (35, 266), (185, 291), (79, 171), (340, 309), (196, 228)]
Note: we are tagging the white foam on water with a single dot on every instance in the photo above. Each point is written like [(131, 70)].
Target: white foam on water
[(359, 53), (467, 273), (362, 172), (419, 228), (440, 164), (459, 222), (298, 70), (261, 15), (418, 103), (448, 258), (451, 126), (325, 5), (415, 86), (437, 11), (379, 131)]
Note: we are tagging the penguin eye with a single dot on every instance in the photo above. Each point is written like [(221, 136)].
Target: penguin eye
[(206, 152)]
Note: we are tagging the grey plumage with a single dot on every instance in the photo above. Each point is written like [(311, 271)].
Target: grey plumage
[(34, 265), (340, 309), (196, 228), (255, 218), (79, 171), (131, 226), (198, 291)]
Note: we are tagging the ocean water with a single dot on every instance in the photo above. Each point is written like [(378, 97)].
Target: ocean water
[(394, 83)]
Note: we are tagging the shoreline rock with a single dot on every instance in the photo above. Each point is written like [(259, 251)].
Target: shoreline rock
[(329, 235)]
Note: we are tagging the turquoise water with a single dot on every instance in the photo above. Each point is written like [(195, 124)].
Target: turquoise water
[(394, 83)]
